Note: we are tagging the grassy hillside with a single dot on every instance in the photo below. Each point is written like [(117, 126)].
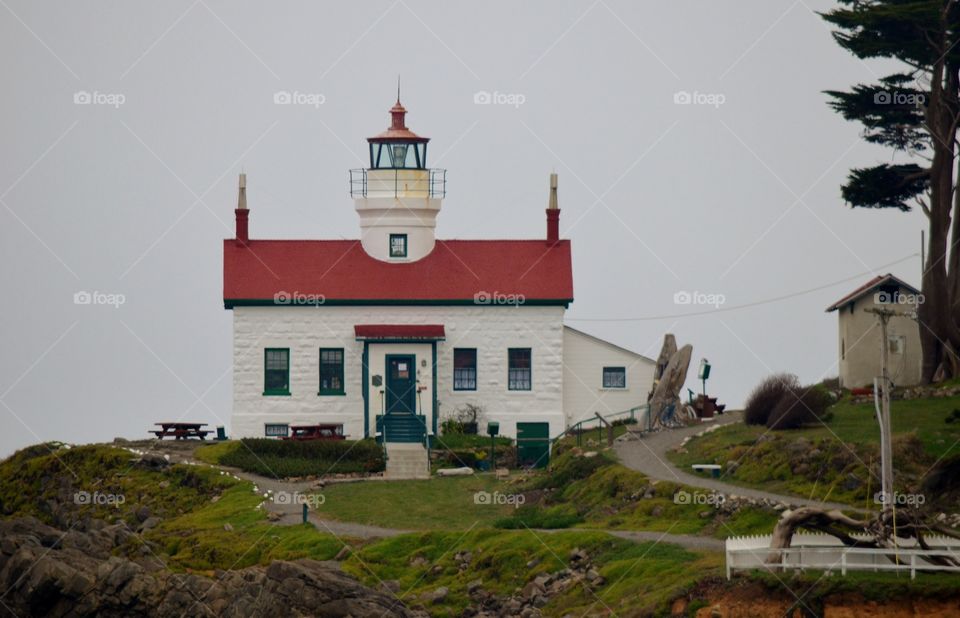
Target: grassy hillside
[(639, 578), (833, 461)]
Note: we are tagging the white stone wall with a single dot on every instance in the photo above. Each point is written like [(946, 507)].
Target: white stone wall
[(490, 329), (583, 392)]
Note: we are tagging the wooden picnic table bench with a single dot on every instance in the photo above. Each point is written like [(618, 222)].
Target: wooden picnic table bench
[(181, 431)]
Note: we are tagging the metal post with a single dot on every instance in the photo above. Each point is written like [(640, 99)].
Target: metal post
[(493, 459), (886, 448), (304, 512)]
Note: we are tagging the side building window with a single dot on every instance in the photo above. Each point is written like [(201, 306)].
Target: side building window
[(464, 369), (276, 371), (519, 372), (331, 371), (276, 430), (614, 377)]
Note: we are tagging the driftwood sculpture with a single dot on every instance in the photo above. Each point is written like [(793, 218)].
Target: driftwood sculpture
[(667, 391)]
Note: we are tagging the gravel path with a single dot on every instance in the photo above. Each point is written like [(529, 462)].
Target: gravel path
[(648, 455)]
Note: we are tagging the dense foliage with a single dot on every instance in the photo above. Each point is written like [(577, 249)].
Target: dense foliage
[(290, 458)]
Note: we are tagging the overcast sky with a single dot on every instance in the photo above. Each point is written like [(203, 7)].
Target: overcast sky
[(734, 194)]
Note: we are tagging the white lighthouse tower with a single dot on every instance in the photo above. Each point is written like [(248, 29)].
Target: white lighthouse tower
[(397, 197)]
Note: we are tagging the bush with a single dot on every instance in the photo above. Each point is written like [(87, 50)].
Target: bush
[(799, 406), (533, 516), (287, 458), (765, 397), (568, 468)]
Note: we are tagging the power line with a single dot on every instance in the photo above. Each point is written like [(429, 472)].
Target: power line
[(775, 299)]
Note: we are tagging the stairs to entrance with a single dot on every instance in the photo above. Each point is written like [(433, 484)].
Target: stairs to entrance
[(407, 460), (402, 427)]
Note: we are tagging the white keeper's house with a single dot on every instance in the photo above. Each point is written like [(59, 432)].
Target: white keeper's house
[(390, 334)]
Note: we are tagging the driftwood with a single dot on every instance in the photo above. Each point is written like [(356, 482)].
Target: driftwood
[(666, 353), (885, 528), (668, 388)]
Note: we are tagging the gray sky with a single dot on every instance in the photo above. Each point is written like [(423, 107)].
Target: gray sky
[(736, 193)]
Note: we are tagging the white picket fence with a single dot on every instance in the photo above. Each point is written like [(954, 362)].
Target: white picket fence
[(823, 552)]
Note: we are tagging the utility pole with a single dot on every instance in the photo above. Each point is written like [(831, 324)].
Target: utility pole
[(883, 414)]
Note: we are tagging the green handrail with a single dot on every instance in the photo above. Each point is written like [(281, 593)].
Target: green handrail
[(579, 426)]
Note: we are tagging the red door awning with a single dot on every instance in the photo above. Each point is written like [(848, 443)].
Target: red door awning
[(426, 332)]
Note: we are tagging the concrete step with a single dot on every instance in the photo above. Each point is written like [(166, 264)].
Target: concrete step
[(407, 461)]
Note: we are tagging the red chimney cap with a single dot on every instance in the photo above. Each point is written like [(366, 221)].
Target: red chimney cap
[(398, 131)]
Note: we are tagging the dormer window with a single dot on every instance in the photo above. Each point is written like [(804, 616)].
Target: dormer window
[(398, 245)]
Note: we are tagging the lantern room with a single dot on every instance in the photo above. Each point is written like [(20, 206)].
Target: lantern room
[(398, 147)]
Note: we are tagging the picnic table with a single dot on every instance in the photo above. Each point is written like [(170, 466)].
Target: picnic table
[(180, 430), (328, 431)]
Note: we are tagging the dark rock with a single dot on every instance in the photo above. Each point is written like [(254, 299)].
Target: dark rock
[(153, 461), (78, 576), (142, 513)]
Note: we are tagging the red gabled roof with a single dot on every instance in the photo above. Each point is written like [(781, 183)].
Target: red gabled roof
[(867, 287), (341, 271), (399, 331)]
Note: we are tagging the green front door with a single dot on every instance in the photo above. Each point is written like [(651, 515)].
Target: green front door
[(533, 445), (401, 387)]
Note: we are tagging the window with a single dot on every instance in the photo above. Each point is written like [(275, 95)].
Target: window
[(614, 377), (275, 430), (464, 369), (331, 371), (276, 371), (518, 374), (398, 245), (895, 344)]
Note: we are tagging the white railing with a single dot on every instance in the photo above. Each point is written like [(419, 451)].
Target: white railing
[(825, 553)]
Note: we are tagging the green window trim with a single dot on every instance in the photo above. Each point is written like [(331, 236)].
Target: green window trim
[(615, 377), (519, 369), (270, 380), (398, 249), (331, 372)]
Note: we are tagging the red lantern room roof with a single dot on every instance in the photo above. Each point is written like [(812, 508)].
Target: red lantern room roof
[(398, 130)]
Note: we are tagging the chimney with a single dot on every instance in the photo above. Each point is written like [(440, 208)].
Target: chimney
[(553, 214), (242, 213)]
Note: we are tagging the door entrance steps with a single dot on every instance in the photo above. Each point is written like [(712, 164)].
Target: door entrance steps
[(407, 461)]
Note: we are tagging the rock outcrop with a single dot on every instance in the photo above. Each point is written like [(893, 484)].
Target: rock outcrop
[(50, 572)]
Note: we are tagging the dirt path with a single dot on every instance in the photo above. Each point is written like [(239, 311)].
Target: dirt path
[(648, 455)]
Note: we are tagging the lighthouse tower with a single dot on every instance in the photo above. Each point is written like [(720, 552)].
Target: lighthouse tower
[(397, 197)]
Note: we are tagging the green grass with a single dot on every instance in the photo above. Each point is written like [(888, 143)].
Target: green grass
[(640, 578), (199, 541), (608, 499), (213, 453), (439, 503), (848, 444), (35, 477)]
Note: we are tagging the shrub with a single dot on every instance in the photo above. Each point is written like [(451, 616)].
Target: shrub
[(570, 467), (800, 405), (765, 397), (533, 516), (287, 458)]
